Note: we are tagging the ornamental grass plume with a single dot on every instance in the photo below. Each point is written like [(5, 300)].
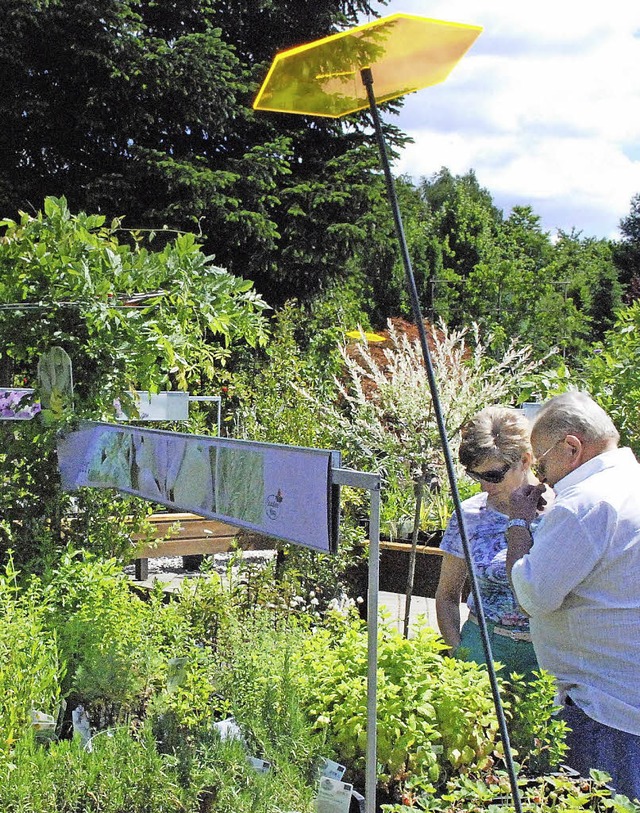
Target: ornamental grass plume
[(386, 405), (384, 420)]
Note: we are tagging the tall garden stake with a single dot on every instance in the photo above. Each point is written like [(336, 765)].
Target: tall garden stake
[(334, 77), (418, 489), (367, 79)]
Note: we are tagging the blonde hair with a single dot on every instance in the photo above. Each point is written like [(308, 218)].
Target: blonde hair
[(495, 433)]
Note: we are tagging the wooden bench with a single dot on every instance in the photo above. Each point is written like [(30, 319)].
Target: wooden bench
[(190, 535)]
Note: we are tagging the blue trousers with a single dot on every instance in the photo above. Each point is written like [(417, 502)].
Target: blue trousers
[(594, 745)]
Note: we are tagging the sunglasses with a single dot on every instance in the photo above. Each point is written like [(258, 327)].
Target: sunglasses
[(491, 476)]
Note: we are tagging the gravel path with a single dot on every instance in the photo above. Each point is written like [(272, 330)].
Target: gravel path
[(170, 569)]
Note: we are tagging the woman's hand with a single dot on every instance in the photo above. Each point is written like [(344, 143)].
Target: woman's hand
[(547, 498), (524, 501)]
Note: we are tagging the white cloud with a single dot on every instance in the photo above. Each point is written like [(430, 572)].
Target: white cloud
[(545, 108)]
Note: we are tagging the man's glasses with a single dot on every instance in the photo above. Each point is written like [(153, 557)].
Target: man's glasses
[(536, 465), (491, 476)]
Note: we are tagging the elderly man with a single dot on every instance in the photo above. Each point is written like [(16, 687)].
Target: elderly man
[(579, 580)]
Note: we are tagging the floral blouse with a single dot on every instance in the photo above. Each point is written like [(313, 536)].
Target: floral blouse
[(486, 531)]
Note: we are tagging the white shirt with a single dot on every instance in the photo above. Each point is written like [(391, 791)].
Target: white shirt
[(580, 583)]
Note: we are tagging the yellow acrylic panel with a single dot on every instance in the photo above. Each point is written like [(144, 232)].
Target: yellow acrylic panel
[(370, 337), (405, 53)]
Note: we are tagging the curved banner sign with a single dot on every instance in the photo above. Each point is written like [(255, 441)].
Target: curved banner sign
[(17, 404), (281, 491)]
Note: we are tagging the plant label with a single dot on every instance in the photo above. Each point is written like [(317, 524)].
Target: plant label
[(331, 769), (260, 765), (333, 796), (228, 730)]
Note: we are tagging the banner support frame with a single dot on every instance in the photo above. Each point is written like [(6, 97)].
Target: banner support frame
[(370, 482)]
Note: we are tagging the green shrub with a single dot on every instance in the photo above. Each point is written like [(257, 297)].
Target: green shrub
[(537, 735), (256, 674), (492, 793), (121, 774), (227, 783), (31, 669), (613, 377), (104, 636), (245, 673), (436, 716), (297, 691), (76, 281)]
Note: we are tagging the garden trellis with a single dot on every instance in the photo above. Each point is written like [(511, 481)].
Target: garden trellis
[(355, 70)]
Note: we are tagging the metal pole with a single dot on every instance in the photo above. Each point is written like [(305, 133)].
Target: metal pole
[(357, 479), (367, 79), (216, 398), (371, 777)]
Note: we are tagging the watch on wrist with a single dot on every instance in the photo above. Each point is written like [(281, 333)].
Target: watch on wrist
[(520, 523)]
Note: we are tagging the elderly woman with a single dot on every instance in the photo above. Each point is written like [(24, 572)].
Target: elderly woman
[(496, 451)]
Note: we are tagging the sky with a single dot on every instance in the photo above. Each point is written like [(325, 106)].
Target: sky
[(544, 107)]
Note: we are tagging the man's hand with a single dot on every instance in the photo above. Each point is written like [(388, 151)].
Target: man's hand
[(526, 501)]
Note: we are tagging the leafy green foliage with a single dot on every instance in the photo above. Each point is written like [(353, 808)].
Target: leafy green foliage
[(143, 110), (80, 634), (465, 794), (464, 224), (268, 404), (245, 668), (32, 670), (613, 377), (121, 774), (233, 786), (536, 734), (473, 264), (377, 267), (103, 635), (70, 282), (66, 281), (257, 674), (627, 252), (435, 714), (294, 682)]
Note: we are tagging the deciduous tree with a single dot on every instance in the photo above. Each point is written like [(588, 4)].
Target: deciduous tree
[(627, 252), (129, 318)]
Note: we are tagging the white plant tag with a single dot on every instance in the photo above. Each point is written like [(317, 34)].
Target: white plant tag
[(260, 765), (333, 796), (229, 730), (81, 724), (42, 721), (331, 769)]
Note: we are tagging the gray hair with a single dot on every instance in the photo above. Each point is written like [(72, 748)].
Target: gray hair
[(575, 413), (496, 432)]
